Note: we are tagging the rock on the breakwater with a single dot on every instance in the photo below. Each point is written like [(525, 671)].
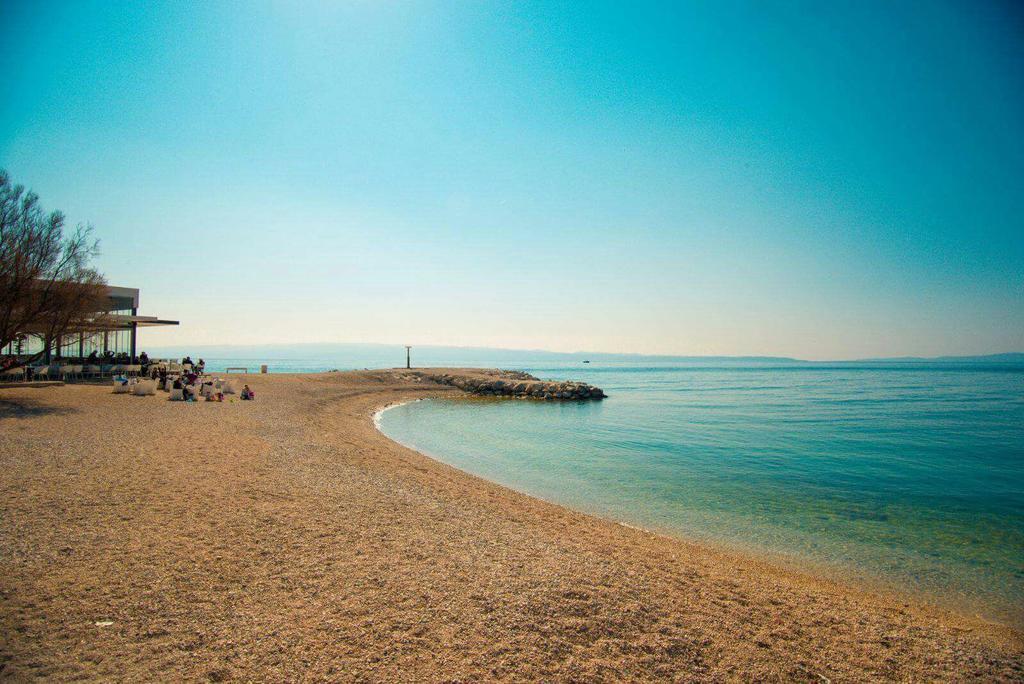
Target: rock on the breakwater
[(516, 384)]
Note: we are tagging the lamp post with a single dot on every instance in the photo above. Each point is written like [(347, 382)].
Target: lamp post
[(408, 362)]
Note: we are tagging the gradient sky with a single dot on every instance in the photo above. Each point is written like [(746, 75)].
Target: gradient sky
[(820, 180)]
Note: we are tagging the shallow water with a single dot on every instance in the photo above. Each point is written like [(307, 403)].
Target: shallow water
[(908, 475)]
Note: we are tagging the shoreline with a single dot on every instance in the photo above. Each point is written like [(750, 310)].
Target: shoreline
[(289, 535), (854, 579), (395, 404)]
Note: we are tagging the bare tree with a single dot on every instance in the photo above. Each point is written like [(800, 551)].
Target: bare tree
[(47, 286)]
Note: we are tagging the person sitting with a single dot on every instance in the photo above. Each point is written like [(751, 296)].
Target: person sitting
[(144, 359), (186, 361), (94, 358), (201, 366), (247, 393)]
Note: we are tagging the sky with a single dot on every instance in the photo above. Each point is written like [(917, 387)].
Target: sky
[(816, 180)]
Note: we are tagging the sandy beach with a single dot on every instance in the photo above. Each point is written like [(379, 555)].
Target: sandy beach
[(287, 539)]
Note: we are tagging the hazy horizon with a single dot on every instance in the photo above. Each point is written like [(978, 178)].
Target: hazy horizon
[(417, 350), (818, 182)]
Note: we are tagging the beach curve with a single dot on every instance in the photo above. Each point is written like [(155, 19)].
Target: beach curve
[(294, 536)]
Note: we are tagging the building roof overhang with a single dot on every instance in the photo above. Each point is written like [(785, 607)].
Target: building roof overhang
[(111, 322)]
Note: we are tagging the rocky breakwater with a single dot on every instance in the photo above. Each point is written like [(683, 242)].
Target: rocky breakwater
[(516, 384)]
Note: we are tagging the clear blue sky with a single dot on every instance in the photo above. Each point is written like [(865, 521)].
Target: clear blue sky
[(818, 180)]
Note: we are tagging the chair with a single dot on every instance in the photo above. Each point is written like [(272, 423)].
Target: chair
[(14, 374), (144, 388)]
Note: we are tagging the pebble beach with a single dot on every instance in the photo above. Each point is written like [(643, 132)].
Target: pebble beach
[(287, 539)]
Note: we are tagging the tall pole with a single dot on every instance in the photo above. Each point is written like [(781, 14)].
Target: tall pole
[(408, 361)]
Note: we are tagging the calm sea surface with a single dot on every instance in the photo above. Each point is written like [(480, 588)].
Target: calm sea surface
[(908, 476)]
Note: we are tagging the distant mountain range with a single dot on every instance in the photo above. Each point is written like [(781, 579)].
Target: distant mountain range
[(444, 354), (1009, 357)]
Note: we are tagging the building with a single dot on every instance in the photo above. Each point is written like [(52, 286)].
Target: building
[(118, 334)]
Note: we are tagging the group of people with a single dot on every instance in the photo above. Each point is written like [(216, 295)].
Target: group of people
[(108, 358), (199, 366), (190, 381)]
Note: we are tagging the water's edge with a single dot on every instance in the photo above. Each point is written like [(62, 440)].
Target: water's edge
[(857, 580)]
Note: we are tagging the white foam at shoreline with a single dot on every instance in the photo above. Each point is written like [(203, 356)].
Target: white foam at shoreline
[(379, 412)]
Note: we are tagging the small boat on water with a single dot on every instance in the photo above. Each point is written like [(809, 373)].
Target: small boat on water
[(585, 361)]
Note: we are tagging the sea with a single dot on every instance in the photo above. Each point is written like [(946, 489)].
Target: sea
[(902, 475)]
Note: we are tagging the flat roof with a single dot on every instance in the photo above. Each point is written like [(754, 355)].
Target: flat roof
[(123, 321)]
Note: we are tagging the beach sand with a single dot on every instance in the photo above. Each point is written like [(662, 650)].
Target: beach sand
[(286, 539)]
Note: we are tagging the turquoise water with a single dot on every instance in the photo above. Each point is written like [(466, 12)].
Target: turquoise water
[(908, 475)]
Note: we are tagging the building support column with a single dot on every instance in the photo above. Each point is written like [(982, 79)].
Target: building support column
[(135, 330)]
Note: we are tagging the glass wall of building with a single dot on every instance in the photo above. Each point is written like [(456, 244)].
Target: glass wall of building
[(74, 345)]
